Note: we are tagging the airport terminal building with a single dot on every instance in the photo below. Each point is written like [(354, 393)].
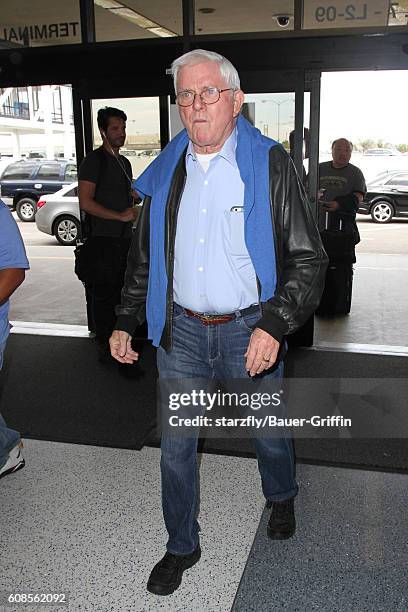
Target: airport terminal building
[(82, 522)]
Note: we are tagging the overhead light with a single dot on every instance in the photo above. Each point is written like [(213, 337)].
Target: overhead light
[(108, 4), (130, 15), (134, 17), (162, 32)]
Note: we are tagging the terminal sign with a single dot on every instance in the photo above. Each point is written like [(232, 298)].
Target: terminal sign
[(343, 14), (47, 31)]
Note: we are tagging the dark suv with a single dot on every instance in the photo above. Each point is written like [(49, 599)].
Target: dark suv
[(24, 182)]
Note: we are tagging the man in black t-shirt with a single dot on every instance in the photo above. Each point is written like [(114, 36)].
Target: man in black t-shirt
[(105, 195), (344, 188)]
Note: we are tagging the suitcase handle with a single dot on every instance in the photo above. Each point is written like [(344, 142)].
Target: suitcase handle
[(326, 223)]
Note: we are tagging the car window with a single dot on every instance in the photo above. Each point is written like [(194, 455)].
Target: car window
[(18, 171), (378, 152), (71, 173), (50, 172), (380, 179), (72, 193), (399, 179)]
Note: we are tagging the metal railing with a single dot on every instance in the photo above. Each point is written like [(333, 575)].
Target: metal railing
[(17, 110), (56, 117)]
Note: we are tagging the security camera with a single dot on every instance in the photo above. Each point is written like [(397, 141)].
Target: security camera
[(282, 20)]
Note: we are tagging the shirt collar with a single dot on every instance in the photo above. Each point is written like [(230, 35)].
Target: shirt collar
[(227, 151)]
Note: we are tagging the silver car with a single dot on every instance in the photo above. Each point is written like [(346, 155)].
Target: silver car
[(58, 214)]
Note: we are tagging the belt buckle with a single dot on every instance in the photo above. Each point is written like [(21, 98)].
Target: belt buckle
[(206, 319)]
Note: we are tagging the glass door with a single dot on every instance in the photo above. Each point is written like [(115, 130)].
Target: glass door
[(289, 113), (283, 105), (142, 129)]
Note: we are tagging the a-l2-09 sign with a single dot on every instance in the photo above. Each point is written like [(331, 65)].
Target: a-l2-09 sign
[(342, 14)]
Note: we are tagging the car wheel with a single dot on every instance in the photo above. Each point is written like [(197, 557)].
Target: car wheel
[(66, 230), (26, 209), (382, 212)]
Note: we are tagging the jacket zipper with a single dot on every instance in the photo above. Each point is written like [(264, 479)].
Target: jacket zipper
[(170, 270)]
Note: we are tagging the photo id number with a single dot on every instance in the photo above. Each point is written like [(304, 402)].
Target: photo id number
[(34, 598)]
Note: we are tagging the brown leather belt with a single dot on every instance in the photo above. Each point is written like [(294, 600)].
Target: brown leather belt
[(217, 319), (210, 319)]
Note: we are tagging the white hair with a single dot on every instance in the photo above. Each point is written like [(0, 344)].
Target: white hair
[(198, 56)]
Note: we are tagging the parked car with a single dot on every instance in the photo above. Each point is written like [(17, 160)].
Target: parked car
[(381, 152), (24, 182), (386, 197), (58, 214)]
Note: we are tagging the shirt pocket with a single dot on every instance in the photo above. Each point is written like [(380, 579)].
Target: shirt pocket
[(235, 218)]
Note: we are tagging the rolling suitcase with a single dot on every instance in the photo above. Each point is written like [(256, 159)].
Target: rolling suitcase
[(339, 245), (336, 298)]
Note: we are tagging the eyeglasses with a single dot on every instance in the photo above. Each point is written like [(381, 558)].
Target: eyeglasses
[(209, 95)]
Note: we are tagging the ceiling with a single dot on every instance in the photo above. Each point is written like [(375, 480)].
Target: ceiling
[(46, 22)]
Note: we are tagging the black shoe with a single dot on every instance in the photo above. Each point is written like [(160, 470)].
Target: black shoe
[(167, 574), (282, 524)]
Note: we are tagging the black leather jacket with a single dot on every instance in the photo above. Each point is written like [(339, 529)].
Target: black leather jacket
[(300, 258)]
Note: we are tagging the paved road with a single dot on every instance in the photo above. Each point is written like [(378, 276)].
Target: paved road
[(53, 294), (390, 238)]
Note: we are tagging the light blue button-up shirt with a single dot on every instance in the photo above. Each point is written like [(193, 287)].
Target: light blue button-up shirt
[(213, 272)]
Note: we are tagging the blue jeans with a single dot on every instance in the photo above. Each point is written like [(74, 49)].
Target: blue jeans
[(8, 437), (212, 352)]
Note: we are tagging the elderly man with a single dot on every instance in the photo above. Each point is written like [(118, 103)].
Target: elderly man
[(225, 262)]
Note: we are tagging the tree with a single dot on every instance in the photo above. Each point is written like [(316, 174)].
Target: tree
[(366, 144)]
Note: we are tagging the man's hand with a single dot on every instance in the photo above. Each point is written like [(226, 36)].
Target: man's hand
[(129, 214), (262, 352), (87, 203), (136, 197), (120, 347), (330, 206)]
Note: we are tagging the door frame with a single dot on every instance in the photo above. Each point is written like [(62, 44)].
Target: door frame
[(298, 81)]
